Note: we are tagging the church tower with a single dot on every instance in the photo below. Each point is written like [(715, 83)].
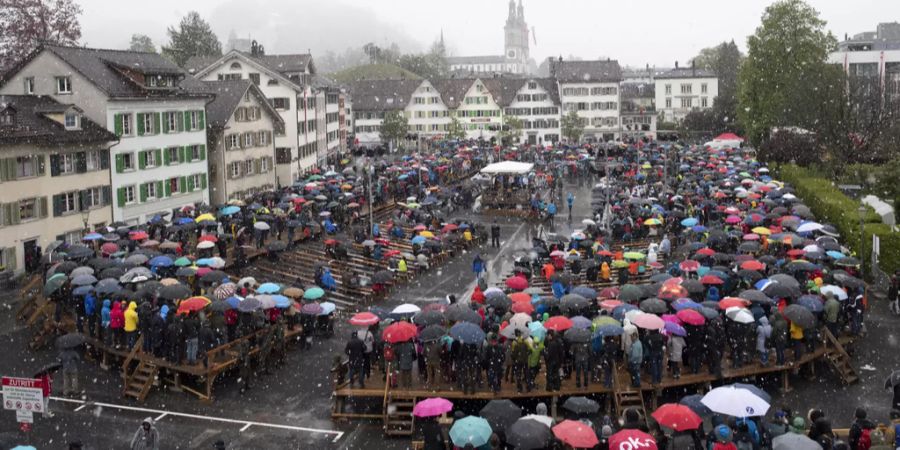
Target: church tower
[(516, 37)]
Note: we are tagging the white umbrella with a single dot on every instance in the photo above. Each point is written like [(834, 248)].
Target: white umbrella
[(261, 226), (735, 402), (205, 245), (740, 315), (809, 226), (406, 308), (216, 263), (794, 441), (520, 320), (249, 281), (588, 222), (833, 290), (546, 420)]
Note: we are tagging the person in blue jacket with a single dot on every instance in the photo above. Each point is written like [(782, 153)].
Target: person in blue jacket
[(570, 200), (551, 212)]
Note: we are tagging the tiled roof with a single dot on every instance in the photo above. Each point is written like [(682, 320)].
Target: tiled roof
[(686, 73), (30, 124), (586, 71), (382, 95)]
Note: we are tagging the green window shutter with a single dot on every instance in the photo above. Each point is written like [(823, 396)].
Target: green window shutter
[(156, 122), (190, 184), (16, 215), (120, 163), (159, 189), (202, 152), (143, 193), (9, 255), (181, 154), (182, 186), (166, 157), (165, 123), (168, 188), (142, 160), (42, 207), (203, 180), (117, 120), (202, 120), (179, 120), (120, 193), (187, 120), (139, 118), (4, 168)]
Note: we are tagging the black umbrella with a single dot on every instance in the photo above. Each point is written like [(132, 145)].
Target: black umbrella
[(781, 290), (801, 316), (174, 292), (654, 305), (499, 302), (185, 272), (219, 306), (431, 317), (630, 293), (382, 276), (108, 286), (432, 333), (755, 296), (581, 405), (578, 335), (249, 304), (214, 276), (501, 414), (892, 380), (277, 246), (693, 402), (112, 272), (527, 434), (78, 251), (848, 280), (693, 286), (69, 340), (65, 267)]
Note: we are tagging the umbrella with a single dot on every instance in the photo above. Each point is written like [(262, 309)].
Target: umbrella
[(649, 322), (694, 402), (632, 439), (431, 317), (501, 414), (406, 309), (225, 290), (794, 441), (576, 434), (214, 276), (570, 302), (382, 276), (53, 284), (517, 283), (310, 309), (467, 333), (432, 333), (314, 293), (399, 332), (892, 380), (836, 291), (735, 401), (293, 292), (471, 430), (70, 340), (558, 323), (364, 319), (193, 304), (174, 292), (108, 286), (249, 304), (431, 407), (268, 288), (630, 293), (262, 226), (654, 305), (581, 405), (800, 316), (528, 434), (677, 417), (83, 280), (691, 317)]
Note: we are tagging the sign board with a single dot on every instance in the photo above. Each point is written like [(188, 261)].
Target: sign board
[(24, 416), (23, 394)]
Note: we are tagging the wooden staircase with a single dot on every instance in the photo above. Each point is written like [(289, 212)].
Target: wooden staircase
[(839, 359), (31, 300), (140, 381), (398, 417), (626, 396)]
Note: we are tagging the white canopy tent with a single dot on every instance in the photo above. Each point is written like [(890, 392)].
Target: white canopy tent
[(507, 168)]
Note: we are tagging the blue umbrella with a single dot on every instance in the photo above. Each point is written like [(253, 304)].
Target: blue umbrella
[(609, 330), (619, 311), (762, 284), (472, 430), (686, 303), (811, 302), (585, 291), (184, 220), (92, 237), (202, 262), (537, 330), (281, 301), (83, 290), (233, 301), (698, 229), (689, 222), (581, 322), (268, 288), (418, 240), (229, 210), (674, 328), (161, 261), (467, 333), (835, 254)]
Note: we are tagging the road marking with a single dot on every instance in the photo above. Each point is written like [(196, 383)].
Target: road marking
[(80, 408), (160, 417), (244, 428), (246, 423)]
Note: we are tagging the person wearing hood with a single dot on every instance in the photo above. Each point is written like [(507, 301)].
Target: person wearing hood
[(144, 322), (861, 424), (105, 318), (90, 313), (191, 332), (721, 438), (821, 432), (763, 332), (131, 324), (157, 329), (116, 322), (146, 437)]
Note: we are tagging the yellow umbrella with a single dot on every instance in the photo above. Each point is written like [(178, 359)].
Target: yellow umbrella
[(762, 231), (652, 222), (346, 187), (426, 234), (203, 217)]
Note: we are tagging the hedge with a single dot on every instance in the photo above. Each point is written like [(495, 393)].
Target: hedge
[(830, 205)]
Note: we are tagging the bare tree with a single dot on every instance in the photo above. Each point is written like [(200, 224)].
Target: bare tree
[(25, 24)]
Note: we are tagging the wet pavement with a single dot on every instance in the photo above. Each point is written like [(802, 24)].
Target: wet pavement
[(290, 408)]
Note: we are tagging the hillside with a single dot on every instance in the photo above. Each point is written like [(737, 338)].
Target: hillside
[(373, 72)]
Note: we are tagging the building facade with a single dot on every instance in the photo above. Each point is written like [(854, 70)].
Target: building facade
[(156, 110), (241, 131), (591, 90), (638, 109), (682, 90), (535, 102), (516, 58), (54, 177), (873, 54)]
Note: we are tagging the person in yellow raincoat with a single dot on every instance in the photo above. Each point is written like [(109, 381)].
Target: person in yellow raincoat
[(797, 341), (604, 271)]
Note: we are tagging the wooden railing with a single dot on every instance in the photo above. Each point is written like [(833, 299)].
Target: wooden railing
[(127, 373)]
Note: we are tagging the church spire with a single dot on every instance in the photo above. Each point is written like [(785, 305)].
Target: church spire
[(512, 12), (521, 13)]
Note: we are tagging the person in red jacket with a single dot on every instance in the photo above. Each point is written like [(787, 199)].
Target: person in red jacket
[(117, 322)]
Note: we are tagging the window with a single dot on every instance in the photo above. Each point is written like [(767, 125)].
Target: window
[(532, 85), (27, 166), (63, 85), (248, 167), (283, 155), (229, 76), (150, 159), (254, 78), (194, 152), (703, 88), (234, 141), (419, 100), (172, 155), (195, 120), (68, 202), (248, 140), (72, 237), (264, 165), (29, 86), (175, 185), (28, 209), (281, 103), (668, 89), (92, 198), (686, 88), (71, 121), (92, 160), (129, 194), (234, 169), (171, 124), (147, 120), (127, 128), (127, 161), (704, 102), (262, 138), (668, 102), (253, 113), (240, 114), (686, 102), (151, 190), (67, 163), (197, 181)]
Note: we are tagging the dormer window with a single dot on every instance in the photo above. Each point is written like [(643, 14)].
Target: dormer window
[(72, 121), (7, 118), (160, 81)]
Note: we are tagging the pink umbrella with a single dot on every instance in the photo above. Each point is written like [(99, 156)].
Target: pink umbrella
[(517, 283), (648, 322), (431, 407), (689, 265), (671, 318), (732, 220), (610, 304), (691, 317), (751, 237)]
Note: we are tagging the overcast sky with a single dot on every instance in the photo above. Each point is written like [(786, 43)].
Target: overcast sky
[(655, 32)]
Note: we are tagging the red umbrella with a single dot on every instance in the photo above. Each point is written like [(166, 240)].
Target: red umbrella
[(364, 319), (449, 227), (672, 292), (109, 248), (192, 304), (706, 251), (677, 417), (576, 434), (610, 304), (420, 228), (711, 279), (691, 317), (522, 307), (558, 323), (330, 242), (729, 302), (796, 252), (689, 265), (399, 332), (208, 237), (517, 283), (138, 235), (631, 439), (753, 265), (520, 297), (610, 292)]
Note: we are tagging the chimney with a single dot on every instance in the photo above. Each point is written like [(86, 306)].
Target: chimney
[(676, 64), (693, 68)]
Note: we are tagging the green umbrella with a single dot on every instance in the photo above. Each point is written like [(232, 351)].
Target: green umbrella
[(313, 293), (470, 430), (605, 320), (54, 283), (634, 255), (182, 262)]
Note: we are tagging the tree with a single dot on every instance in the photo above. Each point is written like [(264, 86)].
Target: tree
[(864, 122), (782, 80), (194, 37), (572, 126), (142, 43), (791, 146), (725, 61), (700, 123), (455, 129), (25, 24), (512, 129), (394, 127)]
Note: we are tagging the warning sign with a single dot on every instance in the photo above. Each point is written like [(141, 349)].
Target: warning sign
[(23, 394), (24, 416)]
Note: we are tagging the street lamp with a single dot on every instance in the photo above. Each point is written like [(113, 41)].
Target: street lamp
[(862, 240), (85, 218)]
